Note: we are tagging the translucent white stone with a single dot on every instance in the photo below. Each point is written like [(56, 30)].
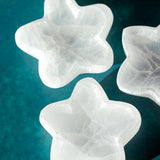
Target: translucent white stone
[(88, 126), (140, 72), (69, 40)]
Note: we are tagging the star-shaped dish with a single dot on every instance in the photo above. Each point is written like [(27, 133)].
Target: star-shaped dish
[(69, 40), (88, 126), (140, 72)]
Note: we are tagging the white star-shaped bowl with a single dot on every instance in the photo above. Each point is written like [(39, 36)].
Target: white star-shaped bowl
[(69, 40), (140, 72), (88, 126)]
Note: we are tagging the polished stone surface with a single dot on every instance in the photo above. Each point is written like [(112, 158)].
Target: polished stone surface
[(23, 95), (140, 72), (69, 40), (88, 126)]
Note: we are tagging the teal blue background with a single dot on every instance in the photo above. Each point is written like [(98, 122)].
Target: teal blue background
[(157, 158), (22, 94)]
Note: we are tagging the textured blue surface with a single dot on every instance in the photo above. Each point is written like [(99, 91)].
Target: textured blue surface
[(22, 94)]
